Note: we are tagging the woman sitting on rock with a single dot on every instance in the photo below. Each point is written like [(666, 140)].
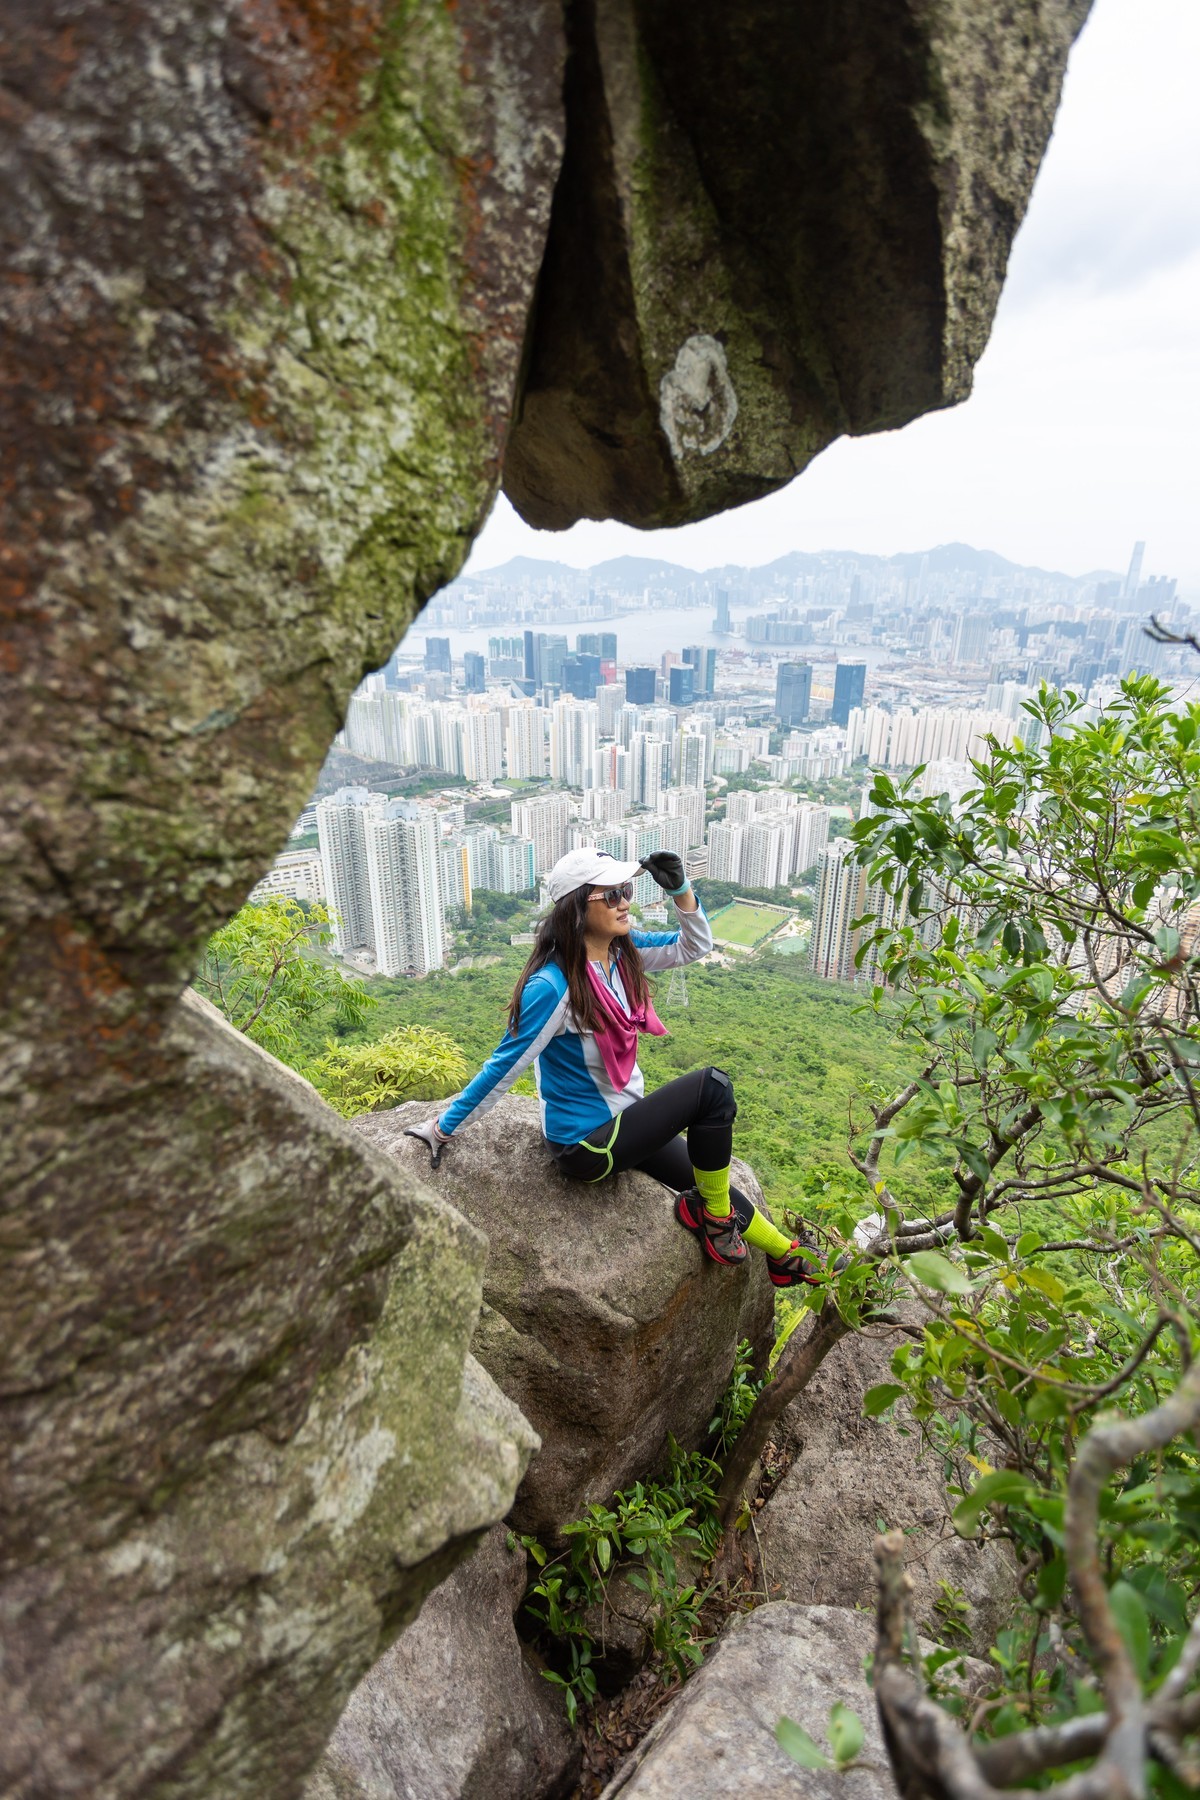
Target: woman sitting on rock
[(575, 1015)]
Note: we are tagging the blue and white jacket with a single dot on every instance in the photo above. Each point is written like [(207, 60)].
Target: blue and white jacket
[(573, 1086)]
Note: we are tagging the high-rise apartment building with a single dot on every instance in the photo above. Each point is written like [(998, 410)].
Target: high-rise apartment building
[(612, 769), (650, 759), (840, 897), (295, 875), (690, 767), (849, 686), (724, 852), (342, 820), (687, 803), (482, 738), (456, 874), (574, 735), (525, 743), (405, 873), (544, 821), (793, 692), (610, 698), (659, 832)]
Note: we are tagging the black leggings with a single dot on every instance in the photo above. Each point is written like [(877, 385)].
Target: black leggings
[(646, 1135)]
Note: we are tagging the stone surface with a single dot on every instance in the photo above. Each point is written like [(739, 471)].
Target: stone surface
[(718, 1737), (244, 1433), (268, 268), (817, 1530), (602, 1320), (454, 1710), (776, 223)]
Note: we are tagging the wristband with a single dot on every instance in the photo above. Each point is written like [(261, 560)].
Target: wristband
[(674, 893)]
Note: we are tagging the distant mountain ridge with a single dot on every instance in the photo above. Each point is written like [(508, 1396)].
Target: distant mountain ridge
[(637, 572)]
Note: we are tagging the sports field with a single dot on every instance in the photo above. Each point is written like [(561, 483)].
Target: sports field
[(746, 925)]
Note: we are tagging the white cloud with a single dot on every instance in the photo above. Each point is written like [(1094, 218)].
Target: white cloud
[(1081, 434)]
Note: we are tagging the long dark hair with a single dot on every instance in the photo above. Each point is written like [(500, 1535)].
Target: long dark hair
[(561, 938)]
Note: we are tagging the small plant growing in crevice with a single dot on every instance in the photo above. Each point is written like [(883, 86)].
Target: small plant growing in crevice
[(643, 1535), (649, 1536)]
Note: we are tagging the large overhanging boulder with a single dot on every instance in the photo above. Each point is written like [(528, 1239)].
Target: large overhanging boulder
[(266, 323), (776, 224)]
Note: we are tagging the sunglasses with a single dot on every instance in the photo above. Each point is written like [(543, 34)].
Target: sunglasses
[(611, 896)]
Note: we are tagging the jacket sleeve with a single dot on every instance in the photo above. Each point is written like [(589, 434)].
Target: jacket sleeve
[(668, 949), (542, 1006)]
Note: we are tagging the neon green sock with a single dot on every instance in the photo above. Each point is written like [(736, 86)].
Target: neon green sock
[(764, 1236), (712, 1185)]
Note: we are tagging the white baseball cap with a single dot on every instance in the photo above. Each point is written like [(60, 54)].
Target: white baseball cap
[(588, 868)]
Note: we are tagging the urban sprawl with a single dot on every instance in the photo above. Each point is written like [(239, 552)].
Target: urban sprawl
[(746, 752)]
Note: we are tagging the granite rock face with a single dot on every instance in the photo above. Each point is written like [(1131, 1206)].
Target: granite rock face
[(235, 1474), (775, 224), (268, 269), (817, 1530), (718, 1737), (601, 1320), (454, 1710)]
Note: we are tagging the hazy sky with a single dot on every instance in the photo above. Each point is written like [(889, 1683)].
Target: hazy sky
[(1083, 431)]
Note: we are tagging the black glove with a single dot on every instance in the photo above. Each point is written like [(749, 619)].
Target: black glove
[(667, 869), (434, 1140)]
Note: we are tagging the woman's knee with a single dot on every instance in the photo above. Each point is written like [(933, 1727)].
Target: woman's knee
[(719, 1102)]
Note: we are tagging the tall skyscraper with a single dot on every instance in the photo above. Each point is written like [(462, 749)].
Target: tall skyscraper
[(681, 685), (437, 656), (703, 659), (1133, 575), (849, 686), (640, 686), (793, 692), (474, 672), (721, 624), (342, 834), (597, 643), (405, 873), (581, 675), (972, 634)]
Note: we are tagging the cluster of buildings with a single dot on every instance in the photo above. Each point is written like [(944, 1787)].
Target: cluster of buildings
[(635, 756)]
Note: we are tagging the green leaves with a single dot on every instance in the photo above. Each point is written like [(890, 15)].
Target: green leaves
[(1001, 1489), (846, 1736), (935, 1271), (877, 1399)]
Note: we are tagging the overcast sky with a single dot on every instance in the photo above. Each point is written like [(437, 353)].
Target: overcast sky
[(1083, 432)]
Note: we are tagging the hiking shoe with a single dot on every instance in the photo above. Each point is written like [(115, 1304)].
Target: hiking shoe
[(719, 1238), (799, 1265)]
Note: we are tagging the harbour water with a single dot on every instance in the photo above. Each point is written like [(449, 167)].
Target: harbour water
[(644, 634)]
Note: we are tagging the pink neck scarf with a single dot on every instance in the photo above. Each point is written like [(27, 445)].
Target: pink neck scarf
[(617, 1034)]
